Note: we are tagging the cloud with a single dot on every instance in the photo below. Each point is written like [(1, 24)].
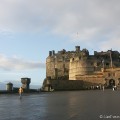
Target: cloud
[(60, 16), (15, 63), (94, 20), (112, 43), (84, 35)]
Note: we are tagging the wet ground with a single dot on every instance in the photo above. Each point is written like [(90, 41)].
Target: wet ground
[(69, 105)]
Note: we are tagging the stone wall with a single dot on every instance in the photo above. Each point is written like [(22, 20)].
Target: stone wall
[(92, 79), (80, 67), (57, 65), (60, 85), (50, 67), (77, 69)]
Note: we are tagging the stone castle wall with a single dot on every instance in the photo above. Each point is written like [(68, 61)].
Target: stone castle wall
[(79, 66), (58, 85), (57, 64)]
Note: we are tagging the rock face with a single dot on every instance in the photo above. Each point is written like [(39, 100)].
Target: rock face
[(102, 68)]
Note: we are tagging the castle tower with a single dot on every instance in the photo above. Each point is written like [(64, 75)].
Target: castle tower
[(9, 86), (80, 67), (50, 53), (25, 83), (77, 48)]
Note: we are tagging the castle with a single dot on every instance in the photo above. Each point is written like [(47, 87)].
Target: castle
[(73, 70)]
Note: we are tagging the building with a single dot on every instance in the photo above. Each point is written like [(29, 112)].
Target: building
[(26, 83), (9, 87), (79, 67)]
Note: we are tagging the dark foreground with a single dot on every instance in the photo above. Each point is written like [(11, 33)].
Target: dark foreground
[(71, 105)]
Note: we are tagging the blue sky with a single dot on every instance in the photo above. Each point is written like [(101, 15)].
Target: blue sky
[(29, 29)]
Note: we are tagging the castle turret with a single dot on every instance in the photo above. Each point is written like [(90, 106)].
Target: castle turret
[(25, 83), (50, 53), (53, 52), (9, 86), (77, 48)]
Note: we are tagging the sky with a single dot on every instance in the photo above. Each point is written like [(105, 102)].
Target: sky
[(29, 29)]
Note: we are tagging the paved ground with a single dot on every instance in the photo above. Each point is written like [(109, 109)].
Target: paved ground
[(73, 105)]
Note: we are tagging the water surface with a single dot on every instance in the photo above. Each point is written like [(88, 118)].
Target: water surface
[(68, 105)]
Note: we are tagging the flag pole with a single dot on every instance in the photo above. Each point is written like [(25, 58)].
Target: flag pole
[(111, 59)]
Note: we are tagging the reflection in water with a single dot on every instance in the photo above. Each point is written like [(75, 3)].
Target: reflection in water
[(72, 105)]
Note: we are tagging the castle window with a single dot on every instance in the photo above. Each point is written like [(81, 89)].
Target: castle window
[(98, 64), (113, 74), (108, 74), (107, 64)]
